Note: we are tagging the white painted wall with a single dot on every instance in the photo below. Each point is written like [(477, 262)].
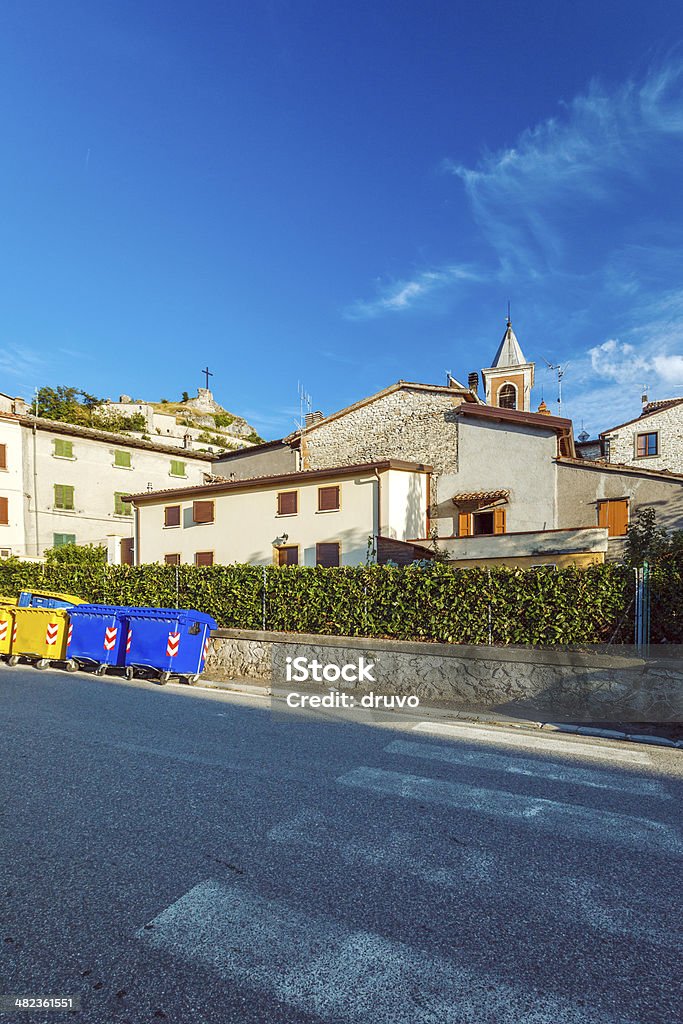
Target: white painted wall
[(95, 480), (246, 524), (502, 455), (12, 487), (404, 504)]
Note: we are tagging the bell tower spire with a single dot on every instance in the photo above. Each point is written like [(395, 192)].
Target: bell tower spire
[(509, 380)]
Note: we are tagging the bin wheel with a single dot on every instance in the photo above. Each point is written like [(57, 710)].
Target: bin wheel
[(42, 663), (72, 666), (164, 677), (100, 670), (13, 660), (130, 674), (192, 680)]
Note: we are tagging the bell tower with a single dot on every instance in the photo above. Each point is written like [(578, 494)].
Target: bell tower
[(508, 382)]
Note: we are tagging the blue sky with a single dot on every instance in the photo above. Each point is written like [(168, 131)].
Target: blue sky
[(342, 194)]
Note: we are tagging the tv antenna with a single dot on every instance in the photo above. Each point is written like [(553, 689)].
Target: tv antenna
[(560, 370), (305, 405)]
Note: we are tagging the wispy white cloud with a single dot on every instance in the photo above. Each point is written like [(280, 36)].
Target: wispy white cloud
[(400, 296), (529, 198)]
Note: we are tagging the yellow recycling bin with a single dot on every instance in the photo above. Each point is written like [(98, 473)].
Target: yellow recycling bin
[(41, 634), (6, 628)]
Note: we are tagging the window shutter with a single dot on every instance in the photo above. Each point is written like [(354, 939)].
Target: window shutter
[(64, 497), (3, 456), (127, 550), (203, 558), (288, 556), (172, 559), (121, 507), (63, 449), (603, 513), (177, 468), (328, 499), (202, 511), (327, 555), (618, 518), (172, 515), (464, 529), (4, 511), (287, 503), (122, 459), (499, 520)]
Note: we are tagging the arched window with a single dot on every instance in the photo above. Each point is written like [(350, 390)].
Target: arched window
[(507, 397)]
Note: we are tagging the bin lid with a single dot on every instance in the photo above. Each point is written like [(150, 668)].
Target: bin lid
[(98, 609), (53, 593), (183, 615), (8, 600)]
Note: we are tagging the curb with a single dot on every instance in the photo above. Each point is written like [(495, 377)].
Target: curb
[(236, 686)]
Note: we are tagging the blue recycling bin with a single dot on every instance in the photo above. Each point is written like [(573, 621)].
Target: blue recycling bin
[(47, 599), (173, 641), (97, 634)]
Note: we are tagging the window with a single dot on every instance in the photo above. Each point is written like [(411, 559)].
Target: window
[(3, 456), (60, 539), (127, 551), (482, 524), (4, 512), (203, 558), (122, 459), (172, 559), (647, 444), (177, 468), (62, 449), (172, 515), (613, 514), (202, 512), (121, 507), (328, 499), (507, 397), (288, 555), (327, 555), (64, 497), (287, 503)]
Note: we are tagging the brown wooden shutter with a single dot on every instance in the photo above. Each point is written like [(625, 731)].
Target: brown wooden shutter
[(618, 518), (464, 524), (327, 555), (172, 559), (288, 556), (203, 558), (603, 514), (3, 456), (172, 515), (202, 511), (287, 503), (499, 520), (328, 499), (4, 511), (127, 551)]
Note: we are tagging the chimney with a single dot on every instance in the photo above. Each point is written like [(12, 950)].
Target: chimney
[(187, 441), (473, 382), (313, 417), (643, 399)]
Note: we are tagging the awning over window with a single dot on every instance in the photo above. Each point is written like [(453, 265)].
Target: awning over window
[(477, 499)]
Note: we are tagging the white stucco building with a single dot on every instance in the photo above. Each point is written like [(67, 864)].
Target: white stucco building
[(64, 484), (327, 516)]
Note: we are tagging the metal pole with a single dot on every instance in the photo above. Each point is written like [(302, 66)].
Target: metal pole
[(177, 587), (263, 600)]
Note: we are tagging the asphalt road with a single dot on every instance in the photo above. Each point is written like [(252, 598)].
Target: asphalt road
[(171, 854)]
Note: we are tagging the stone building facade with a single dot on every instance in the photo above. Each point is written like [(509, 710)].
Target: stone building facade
[(652, 441)]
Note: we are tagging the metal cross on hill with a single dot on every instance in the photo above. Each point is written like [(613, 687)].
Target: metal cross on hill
[(207, 372)]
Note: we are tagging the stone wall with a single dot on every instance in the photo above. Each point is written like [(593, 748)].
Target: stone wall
[(669, 423), (415, 425), (544, 685)]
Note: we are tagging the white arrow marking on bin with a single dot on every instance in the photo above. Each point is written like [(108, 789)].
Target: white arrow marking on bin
[(173, 644), (51, 633), (110, 638)]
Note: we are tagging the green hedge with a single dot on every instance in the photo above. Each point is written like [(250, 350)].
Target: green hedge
[(475, 606)]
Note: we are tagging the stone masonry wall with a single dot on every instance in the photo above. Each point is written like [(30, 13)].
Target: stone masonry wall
[(540, 684), (413, 425), (669, 423)]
